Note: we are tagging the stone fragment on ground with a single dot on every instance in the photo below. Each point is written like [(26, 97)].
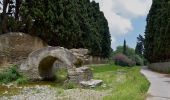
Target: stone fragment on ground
[(91, 83)]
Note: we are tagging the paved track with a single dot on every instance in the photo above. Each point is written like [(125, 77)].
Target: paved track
[(160, 85)]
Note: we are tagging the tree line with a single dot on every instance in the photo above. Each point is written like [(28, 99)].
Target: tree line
[(126, 56), (67, 23), (157, 33)]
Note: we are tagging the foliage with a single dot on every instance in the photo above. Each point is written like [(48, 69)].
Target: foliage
[(139, 46), (139, 60), (123, 60), (124, 48), (8, 10), (21, 80), (9, 75), (61, 75), (66, 23), (157, 37), (12, 75), (70, 85), (78, 63), (123, 83), (130, 53)]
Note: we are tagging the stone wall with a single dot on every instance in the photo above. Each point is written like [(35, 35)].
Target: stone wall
[(17, 46), (87, 59), (163, 67), (95, 60)]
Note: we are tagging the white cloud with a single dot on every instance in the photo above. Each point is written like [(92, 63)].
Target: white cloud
[(120, 13), (132, 8)]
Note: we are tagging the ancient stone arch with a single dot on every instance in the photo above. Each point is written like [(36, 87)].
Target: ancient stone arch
[(39, 64)]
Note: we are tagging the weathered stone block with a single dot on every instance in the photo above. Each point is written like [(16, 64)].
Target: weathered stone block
[(84, 73)]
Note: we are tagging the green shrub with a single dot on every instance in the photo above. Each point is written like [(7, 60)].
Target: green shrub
[(122, 60), (21, 80), (70, 85), (9, 75), (61, 75), (139, 60), (145, 61)]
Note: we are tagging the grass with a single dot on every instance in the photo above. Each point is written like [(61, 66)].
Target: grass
[(121, 83), (70, 85), (61, 75), (103, 68), (22, 80)]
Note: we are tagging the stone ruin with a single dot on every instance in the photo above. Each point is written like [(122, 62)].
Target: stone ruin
[(37, 60), (41, 64), (14, 47)]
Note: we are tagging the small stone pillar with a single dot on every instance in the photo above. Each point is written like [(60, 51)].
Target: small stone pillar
[(84, 74)]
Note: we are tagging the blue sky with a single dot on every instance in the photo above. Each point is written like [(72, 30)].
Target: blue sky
[(126, 19), (131, 37)]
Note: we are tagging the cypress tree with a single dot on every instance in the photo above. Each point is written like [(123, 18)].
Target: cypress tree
[(157, 37), (139, 46), (67, 23), (124, 47)]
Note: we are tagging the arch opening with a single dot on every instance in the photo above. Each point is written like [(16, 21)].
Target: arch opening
[(46, 69), (52, 69)]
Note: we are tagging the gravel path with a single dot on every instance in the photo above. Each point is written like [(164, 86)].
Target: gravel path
[(160, 85), (50, 93)]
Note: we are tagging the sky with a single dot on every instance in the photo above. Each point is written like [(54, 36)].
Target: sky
[(126, 18), (0, 6)]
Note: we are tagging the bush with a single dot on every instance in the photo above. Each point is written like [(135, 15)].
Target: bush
[(139, 60), (145, 61), (123, 60), (61, 75), (21, 80), (78, 63), (9, 75), (70, 85)]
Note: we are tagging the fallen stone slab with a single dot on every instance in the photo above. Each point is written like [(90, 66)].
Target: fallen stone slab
[(91, 83)]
